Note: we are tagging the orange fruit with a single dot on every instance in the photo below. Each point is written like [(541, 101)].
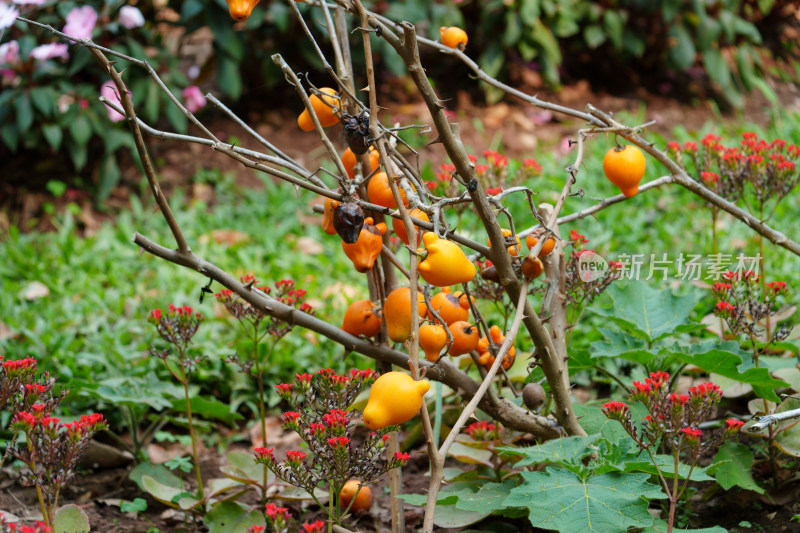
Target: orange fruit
[(363, 500), (453, 37), (624, 167)]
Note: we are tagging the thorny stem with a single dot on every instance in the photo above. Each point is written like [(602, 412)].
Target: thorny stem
[(437, 471)]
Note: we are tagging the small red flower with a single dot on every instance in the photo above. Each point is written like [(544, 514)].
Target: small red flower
[(314, 527), (777, 286), (492, 191), (304, 379), (724, 309), (692, 436), (532, 165), (291, 416), (284, 389), (732, 426), (402, 457), (295, 456), (577, 238), (264, 454)]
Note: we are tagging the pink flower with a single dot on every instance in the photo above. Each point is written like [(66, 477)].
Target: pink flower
[(8, 15), (50, 51), (81, 22), (109, 92), (9, 53), (131, 17), (193, 98)]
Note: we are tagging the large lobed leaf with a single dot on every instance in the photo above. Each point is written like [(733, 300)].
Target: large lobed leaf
[(560, 500)]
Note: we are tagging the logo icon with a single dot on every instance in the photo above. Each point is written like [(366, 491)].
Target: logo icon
[(591, 266)]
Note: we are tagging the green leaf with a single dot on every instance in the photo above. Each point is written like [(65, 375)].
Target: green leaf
[(529, 12), (619, 344), (71, 519), (81, 130), (788, 438), (716, 67), (733, 466), (153, 471), (492, 59), (136, 506), (560, 500), (683, 53), (651, 312), (615, 27), (176, 117), (109, 177), (666, 463), (708, 31), (171, 496), (10, 136), (53, 135), (470, 455), (24, 113), (489, 497), (242, 467), (208, 409), (44, 99), (725, 363), (228, 76), (594, 35), (564, 451), (660, 526), (230, 517)]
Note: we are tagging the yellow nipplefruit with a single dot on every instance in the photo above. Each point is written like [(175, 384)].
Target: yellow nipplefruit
[(446, 264), (240, 9), (450, 307), (324, 110), (394, 398), (432, 338), (397, 312)]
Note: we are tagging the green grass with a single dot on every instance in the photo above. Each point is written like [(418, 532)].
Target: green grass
[(92, 327)]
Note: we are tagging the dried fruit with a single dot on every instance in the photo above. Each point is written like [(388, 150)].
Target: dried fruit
[(348, 219), (241, 9), (393, 399), (324, 110), (397, 313), (367, 247), (445, 264), (350, 160), (363, 497), (432, 338), (356, 132), (400, 228), (547, 247), (362, 318), (624, 167), (451, 307), (465, 338), (513, 249), (453, 37), (533, 396), (327, 216)]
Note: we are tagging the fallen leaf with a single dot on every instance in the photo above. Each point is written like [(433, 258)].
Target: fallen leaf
[(6, 332), (230, 237), (309, 246), (34, 290)]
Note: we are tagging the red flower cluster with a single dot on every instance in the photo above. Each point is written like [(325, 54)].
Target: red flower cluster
[(338, 443), (615, 410), (692, 436), (777, 286), (294, 456), (576, 238), (274, 512), (532, 165), (265, 454), (733, 426), (705, 390), (401, 457), (483, 430), (19, 365), (496, 158), (317, 526), (724, 309)]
